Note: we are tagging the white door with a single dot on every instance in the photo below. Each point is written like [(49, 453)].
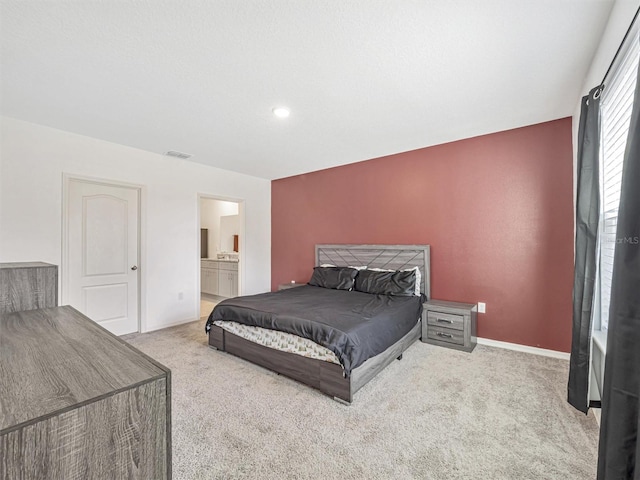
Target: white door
[(102, 241)]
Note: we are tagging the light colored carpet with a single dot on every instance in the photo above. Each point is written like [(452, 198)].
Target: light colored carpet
[(436, 414)]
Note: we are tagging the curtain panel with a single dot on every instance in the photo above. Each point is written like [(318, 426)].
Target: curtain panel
[(585, 270)]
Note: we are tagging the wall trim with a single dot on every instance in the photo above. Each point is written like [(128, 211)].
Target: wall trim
[(523, 348), (170, 324)]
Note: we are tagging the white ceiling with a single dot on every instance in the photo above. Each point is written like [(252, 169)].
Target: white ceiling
[(363, 78)]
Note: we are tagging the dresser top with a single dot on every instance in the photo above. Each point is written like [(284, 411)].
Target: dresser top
[(443, 304), (56, 359), (26, 265)]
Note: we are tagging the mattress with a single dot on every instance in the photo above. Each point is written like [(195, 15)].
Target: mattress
[(285, 342)]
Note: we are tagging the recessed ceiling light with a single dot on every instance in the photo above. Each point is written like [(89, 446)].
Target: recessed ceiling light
[(281, 112)]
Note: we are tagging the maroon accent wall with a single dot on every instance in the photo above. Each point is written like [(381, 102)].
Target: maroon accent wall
[(497, 211)]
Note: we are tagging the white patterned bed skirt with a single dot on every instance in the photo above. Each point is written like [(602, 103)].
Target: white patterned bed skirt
[(285, 342)]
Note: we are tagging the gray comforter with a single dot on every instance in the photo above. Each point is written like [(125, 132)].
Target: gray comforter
[(355, 326)]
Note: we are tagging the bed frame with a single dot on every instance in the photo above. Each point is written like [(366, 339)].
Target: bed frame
[(325, 376)]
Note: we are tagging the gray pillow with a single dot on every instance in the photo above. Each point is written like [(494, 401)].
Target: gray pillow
[(400, 283), (338, 278)]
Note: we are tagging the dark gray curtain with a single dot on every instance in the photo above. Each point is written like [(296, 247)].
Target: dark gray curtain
[(584, 277), (619, 451)]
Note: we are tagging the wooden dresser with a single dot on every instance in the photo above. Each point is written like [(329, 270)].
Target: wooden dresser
[(28, 285), (77, 402)]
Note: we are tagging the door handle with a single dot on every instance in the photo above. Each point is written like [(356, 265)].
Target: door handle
[(134, 267)]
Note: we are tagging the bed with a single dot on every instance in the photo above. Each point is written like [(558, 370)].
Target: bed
[(363, 346)]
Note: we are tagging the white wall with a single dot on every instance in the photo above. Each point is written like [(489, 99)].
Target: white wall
[(229, 226), (33, 159), (210, 213)]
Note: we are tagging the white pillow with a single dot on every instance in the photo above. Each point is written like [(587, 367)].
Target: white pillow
[(418, 279), (362, 267)]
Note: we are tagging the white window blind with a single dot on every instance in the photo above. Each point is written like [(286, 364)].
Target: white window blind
[(616, 105)]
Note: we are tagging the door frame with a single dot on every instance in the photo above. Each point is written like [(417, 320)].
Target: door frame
[(241, 239), (67, 178)]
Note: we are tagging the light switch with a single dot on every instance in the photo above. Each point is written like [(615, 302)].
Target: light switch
[(482, 307)]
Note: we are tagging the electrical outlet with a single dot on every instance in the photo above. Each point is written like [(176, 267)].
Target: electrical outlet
[(482, 307), (180, 295)]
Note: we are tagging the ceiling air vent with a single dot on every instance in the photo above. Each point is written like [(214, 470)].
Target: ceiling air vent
[(182, 155)]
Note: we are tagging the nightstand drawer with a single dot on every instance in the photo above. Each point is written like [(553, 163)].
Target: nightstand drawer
[(447, 320), (446, 335)]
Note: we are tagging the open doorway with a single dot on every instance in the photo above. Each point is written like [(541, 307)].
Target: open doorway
[(220, 256)]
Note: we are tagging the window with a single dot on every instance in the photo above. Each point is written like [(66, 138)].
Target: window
[(616, 105)]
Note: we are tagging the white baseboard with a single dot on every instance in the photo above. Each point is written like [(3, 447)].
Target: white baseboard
[(523, 348), (167, 325)]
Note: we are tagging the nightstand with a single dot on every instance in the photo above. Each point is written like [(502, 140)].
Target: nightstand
[(450, 324), (284, 286)]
